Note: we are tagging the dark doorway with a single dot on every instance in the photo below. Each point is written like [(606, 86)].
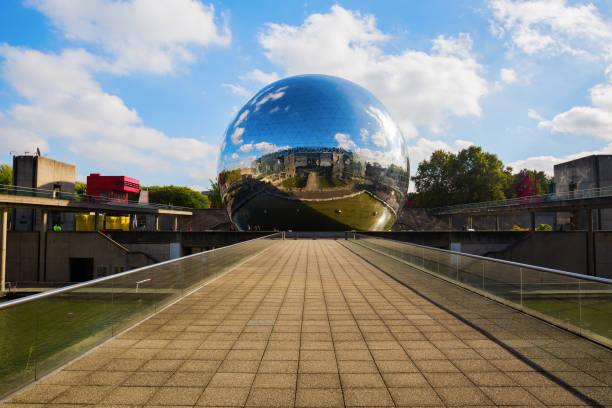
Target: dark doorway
[(81, 269)]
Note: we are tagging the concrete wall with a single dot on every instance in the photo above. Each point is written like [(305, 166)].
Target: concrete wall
[(418, 219), (44, 173), (108, 256), (584, 173), (561, 250), (22, 256), (558, 250)]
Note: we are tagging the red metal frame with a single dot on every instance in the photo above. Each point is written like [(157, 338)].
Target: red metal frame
[(112, 188)]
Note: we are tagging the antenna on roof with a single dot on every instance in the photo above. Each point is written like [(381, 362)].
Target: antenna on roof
[(38, 152)]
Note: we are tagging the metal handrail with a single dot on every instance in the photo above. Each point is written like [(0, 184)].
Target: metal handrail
[(37, 296), (62, 195), (570, 195), (502, 261)]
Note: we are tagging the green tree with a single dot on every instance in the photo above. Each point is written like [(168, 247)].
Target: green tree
[(466, 177), (177, 195), (545, 183), (215, 195), (6, 174)]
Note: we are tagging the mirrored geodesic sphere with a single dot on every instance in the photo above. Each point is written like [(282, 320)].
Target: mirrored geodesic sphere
[(313, 152)]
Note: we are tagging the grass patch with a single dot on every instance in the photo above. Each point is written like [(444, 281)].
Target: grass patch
[(294, 182), (331, 182)]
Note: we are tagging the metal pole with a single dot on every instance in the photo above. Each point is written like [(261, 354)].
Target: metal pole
[(156, 222), (42, 246), (175, 223), (3, 245), (532, 221), (590, 244)]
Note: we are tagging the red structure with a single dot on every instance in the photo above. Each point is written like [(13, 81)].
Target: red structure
[(527, 186), (111, 188)]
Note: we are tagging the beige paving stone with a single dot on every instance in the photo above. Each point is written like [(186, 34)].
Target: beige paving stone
[(463, 396), (128, 396), (147, 379), (403, 380), (415, 397), (281, 367), (275, 380), (39, 394), (83, 394), (318, 367), (206, 366), (396, 367), (361, 380), (66, 377), (188, 379), (162, 365), (350, 330), (271, 397), (510, 396), (209, 355), (447, 379), (367, 397), (319, 397), (106, 378), (357, 367), (226, 380), (318, 381), (176, 396)]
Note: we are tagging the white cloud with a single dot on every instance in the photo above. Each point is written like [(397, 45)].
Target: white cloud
[(507, 75), (234, 155), (344, 141), (546, 163), (593, 120), (534, 115), (418, 88), (260, 76), (247, 147), (237, 136), (269, 96), (155, 36), (552, 27), (264, 147), (423, 149), (60, 100), (238, 90)]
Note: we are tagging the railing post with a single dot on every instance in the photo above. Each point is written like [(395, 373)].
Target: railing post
[(521, 290)]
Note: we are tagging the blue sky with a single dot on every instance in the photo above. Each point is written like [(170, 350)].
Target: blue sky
[(147, 88)]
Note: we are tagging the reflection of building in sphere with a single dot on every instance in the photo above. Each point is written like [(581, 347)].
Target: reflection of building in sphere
[(313, 152)]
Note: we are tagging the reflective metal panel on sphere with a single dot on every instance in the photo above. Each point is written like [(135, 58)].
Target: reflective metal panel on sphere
[(313, 152)]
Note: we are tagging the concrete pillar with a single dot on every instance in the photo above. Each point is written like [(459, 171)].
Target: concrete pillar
[(470, 222), (591, 258), (175, 223), (132, 219), (497, 223), (97, 221), (450, 222), (532, 225), (42, 246), (156, 222), (3, 246)]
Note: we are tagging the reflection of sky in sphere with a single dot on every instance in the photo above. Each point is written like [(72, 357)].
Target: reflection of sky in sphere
[(313, 111)]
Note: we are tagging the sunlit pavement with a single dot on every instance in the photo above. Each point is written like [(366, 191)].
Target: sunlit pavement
[(310, 324)]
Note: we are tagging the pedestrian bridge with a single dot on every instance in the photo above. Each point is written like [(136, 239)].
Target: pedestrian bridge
[(346, 322)]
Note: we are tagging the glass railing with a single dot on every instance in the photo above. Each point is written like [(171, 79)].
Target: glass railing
[(41, 332), (579, 303), (528, 200), (84, 198)]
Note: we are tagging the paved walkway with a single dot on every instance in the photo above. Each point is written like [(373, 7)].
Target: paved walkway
[(311, 324)]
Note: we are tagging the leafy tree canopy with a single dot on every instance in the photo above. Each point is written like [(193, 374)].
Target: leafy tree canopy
[(468, 176), (177, 195), (215, 194), (6, 174)]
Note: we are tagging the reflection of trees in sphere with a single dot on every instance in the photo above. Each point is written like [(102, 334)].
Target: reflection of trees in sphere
[(313, 152)]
